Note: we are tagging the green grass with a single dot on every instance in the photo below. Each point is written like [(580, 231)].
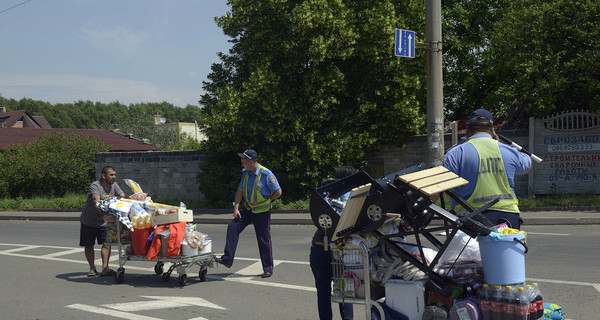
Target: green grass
[(77, 201)]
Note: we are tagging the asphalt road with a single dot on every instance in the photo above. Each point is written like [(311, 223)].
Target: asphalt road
[(44, 277)]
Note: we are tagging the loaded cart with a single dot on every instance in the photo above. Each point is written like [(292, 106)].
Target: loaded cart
[(134, 244), (394, 249)]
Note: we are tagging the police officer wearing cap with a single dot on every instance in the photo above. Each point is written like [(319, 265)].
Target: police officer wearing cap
[(490, 167), (257, 189)]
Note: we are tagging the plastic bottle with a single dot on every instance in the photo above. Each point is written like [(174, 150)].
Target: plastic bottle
[(539, 299), (509, 303), (496, 303), (532, 303), (485, 302), (522, 310)]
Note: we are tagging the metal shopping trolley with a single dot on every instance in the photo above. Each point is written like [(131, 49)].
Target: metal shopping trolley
[(180, 263), (351, 276)]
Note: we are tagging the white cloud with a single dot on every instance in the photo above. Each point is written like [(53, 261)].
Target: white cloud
[(119, 41), (67, 88)]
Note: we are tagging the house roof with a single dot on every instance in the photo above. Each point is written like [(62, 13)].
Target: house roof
[(117, 141), (9, 118)]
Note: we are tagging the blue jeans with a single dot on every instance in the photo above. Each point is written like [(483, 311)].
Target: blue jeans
[(320, 263)]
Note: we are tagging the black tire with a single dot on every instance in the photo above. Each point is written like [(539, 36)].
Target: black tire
[(202, 274), (166, 276), (181, 279), (120, 276), (159, 268)]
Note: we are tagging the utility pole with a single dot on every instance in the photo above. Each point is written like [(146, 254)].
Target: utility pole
[(435, 95)]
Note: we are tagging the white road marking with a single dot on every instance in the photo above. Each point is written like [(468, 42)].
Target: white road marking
[(549, 234), (571, 283), (162, 303), (62, 253), (112, 313), (23, 248)]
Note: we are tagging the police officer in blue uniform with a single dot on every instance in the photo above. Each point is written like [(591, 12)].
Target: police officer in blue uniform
[(257, 189), (490, 167)]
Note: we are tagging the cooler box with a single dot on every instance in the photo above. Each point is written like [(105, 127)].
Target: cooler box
[(406, 297)]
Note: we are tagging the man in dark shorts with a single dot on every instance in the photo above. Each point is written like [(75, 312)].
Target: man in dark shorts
[(93, 225)]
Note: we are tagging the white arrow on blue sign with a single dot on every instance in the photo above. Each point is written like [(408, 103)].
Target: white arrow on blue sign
[(405, 43)]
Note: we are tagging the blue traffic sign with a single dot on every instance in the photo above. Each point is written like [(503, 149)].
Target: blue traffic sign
[(405, 43)]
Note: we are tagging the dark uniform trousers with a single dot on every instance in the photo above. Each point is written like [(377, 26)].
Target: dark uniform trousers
[(262, 228)]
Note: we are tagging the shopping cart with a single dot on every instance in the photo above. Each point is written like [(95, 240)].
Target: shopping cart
[(180, 263), (351, 276)]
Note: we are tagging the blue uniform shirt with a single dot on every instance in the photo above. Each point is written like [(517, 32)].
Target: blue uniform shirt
[(267, 184), (463, 160)]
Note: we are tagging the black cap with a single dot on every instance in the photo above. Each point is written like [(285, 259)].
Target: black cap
[(249, 154), (481, 115)]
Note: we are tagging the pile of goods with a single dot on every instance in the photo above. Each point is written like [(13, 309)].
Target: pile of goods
[(485, 282), (139, 217)]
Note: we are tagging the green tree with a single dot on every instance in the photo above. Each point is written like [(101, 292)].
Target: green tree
[(546, 59), (467, 26), (310, 85), (521, 58)]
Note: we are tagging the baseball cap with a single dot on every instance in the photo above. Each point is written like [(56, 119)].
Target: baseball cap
[(249, 154), (481, 115)]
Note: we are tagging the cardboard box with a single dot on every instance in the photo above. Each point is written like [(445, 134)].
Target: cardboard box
[(406, 297), (180, 215)]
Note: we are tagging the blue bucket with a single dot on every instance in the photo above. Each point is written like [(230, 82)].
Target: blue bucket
[(503, 260)]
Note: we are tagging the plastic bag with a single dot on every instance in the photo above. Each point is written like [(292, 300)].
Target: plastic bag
[(135, 187), (465, 246), (192, 238), (140, 218)]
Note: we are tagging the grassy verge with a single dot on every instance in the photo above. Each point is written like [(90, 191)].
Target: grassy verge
[(77, 201)]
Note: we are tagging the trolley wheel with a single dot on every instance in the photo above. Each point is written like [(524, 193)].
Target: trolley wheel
[(166, 276), (181, 279), (202, 274), (120, 275), (159, 268)]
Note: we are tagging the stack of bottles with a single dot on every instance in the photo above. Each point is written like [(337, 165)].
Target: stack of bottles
[(516, 302)]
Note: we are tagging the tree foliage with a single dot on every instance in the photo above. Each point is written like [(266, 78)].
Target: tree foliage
[(310, 85), (52, 165), (521, 58), (546, 58)]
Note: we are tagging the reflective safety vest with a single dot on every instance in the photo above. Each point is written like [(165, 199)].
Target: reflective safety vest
[(257, 203), (492, 182)]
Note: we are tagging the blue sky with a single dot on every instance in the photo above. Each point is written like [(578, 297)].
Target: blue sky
[(130, 51)]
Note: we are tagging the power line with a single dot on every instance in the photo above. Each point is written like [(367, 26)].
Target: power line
[(16, 5)]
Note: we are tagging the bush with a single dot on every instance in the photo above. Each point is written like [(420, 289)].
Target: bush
[(52, 166)]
